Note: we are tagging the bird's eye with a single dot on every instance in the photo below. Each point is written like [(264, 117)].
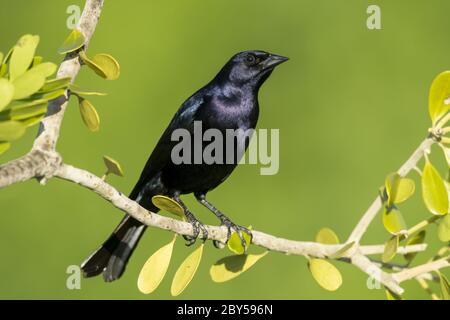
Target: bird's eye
[(250, 59)]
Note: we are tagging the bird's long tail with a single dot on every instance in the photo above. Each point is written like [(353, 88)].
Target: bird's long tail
[(112, 257)]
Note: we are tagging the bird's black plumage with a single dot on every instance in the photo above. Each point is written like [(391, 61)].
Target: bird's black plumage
[(229, 101)]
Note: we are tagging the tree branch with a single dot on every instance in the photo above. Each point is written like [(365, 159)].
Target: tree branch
[(43, 162)]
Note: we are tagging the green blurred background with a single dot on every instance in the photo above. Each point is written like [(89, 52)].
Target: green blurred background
[(351, 105)]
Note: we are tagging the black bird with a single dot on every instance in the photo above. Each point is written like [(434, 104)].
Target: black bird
[(229, 101)]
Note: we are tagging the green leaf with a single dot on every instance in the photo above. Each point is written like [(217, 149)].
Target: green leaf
[(11, 130), (82, 92), (4, 146), (22, 56), (440, 90), (46, 69), (433, 190), (56, 84), (341, 252), (235, 244), (445, 286), (109, 66), (398, 189), (444, 229), (47, 96), (3, 70), (415, 239), (37, 60), (27, 84), (390, 249), (168, 204), (113, 166), (89, 115), (154, 270), (6, 93), (231, 267), (393, 221), (327, 236), (24, 111), (326, 274), (73, 42), (29, 122), (186, 271)]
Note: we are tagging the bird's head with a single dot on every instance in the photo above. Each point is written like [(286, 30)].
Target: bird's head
[(251, 67)]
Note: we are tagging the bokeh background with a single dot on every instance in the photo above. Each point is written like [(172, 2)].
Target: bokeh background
[(351, 105)]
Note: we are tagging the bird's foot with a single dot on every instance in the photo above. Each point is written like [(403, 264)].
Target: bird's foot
[(198, 227), (231, 226)]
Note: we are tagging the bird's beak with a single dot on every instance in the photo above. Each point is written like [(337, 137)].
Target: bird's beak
[(273, 60)]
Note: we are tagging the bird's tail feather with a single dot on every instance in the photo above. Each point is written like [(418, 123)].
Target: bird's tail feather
[(111, 258)]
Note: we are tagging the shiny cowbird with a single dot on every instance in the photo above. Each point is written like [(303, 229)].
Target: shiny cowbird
[(228, 102)]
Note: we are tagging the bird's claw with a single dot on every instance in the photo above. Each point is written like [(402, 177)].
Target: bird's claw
[(231, 226), (197, 227)]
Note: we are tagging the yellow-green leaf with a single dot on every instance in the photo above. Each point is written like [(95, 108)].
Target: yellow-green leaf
[(4, 146), (24, 111), (390, 249), (46, 69), (113, 166), (11, 130), (231, 267), (109, 66), (82, 92), (6, 93), (394, 222), (29, 122), (73, 42), (398, 189), (415, 239), (440, 90), (91, 64), (56, 84), (28, 84), (154, 270), (327, 236), (326, 274), (168, 204), (37, 60), (444, 229), (341, 252), (186, 271), (89, 115), (22, 56), (235, 244), (445, 286), (434, 191)]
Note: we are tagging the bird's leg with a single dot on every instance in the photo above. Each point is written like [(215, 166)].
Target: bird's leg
[(196, 224), (225, 220)]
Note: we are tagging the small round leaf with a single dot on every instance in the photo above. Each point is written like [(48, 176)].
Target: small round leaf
[(235, 244), (109, 66), (6, 93), (89, 115), (434, 192), (418, 238), (22, 56), (390, 249), (113, 166), (11, 130), (168, 204), (326, 274), (73, 42), (398, 189), (154, 270), (440, 90), (231, 267), (394, 222), (186, 271), (327, 236)]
